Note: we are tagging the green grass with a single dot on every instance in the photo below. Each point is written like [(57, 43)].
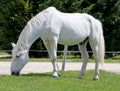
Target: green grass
[(109, 60), (70, 58), (5, 59), (68, 81), (3, 53)]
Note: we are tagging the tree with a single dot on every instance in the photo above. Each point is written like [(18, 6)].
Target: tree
[(14, 18)]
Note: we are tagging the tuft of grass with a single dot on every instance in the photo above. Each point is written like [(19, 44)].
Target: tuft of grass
[(67, 81)]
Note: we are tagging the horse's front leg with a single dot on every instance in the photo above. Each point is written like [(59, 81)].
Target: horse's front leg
[(53, 57), (52, 49)]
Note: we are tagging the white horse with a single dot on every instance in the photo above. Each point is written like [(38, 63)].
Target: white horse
[(55, 27)]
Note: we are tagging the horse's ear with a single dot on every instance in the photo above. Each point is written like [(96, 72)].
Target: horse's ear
[(13, 45)]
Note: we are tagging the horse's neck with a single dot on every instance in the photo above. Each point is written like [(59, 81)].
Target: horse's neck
[(28, 36), (32, 30)]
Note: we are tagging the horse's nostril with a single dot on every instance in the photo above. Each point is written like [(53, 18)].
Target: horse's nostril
[(12, 73), (15, 73)]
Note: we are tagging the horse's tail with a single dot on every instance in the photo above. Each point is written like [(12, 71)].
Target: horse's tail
[(101, 45)]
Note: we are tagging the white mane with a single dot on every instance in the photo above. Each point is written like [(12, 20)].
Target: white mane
[(35, 21), (44, 15)]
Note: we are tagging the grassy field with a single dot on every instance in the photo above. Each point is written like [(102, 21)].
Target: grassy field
[(70, 58), (68, 81), (77, 59)]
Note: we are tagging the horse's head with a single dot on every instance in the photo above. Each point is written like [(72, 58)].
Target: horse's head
[(19, 59)]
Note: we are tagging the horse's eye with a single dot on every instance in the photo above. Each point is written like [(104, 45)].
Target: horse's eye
[(18, 55)]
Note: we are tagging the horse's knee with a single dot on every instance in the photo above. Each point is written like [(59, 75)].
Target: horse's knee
[(53, 59)]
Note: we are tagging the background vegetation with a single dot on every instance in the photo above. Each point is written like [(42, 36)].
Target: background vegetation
[(14, 14)]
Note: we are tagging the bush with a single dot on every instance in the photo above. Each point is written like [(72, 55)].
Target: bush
[(14, 18)]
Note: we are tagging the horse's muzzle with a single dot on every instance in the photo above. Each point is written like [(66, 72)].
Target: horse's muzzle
[(15, 73)]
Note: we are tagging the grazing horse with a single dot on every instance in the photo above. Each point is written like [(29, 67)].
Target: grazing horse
[(55, 27)]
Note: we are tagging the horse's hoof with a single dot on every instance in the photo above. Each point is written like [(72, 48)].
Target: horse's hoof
[(80, 77), (95, 79), (55, 75)]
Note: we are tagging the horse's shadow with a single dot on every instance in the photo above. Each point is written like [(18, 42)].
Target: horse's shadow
[(37, 74), (46, 74), (49, 75)]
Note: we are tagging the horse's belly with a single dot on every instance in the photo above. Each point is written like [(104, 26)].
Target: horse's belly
[(72, 32), (67, 42), (71, 40)]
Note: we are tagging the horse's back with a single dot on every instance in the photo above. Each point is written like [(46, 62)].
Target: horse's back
[(70, 28)]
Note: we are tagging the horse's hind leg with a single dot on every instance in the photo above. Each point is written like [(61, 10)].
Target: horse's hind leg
[(85, 56), (52, 49), (94, 46), (64, 57)]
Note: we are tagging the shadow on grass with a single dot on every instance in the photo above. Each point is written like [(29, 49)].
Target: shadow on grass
[(37, 74), (63, 74), (72, 75)]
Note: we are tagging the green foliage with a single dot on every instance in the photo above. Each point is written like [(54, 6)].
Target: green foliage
[(14, 19), (111, 21), (14, 14)]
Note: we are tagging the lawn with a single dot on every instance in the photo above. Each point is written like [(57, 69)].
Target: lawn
[(67, 81), (108, 60), (70, 58)]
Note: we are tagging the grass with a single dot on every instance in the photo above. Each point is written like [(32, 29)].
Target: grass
[(68, 81), (70, 58), (108, 60), (3, 53)]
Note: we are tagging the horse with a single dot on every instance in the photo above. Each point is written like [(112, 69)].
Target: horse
[(55, 27)]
